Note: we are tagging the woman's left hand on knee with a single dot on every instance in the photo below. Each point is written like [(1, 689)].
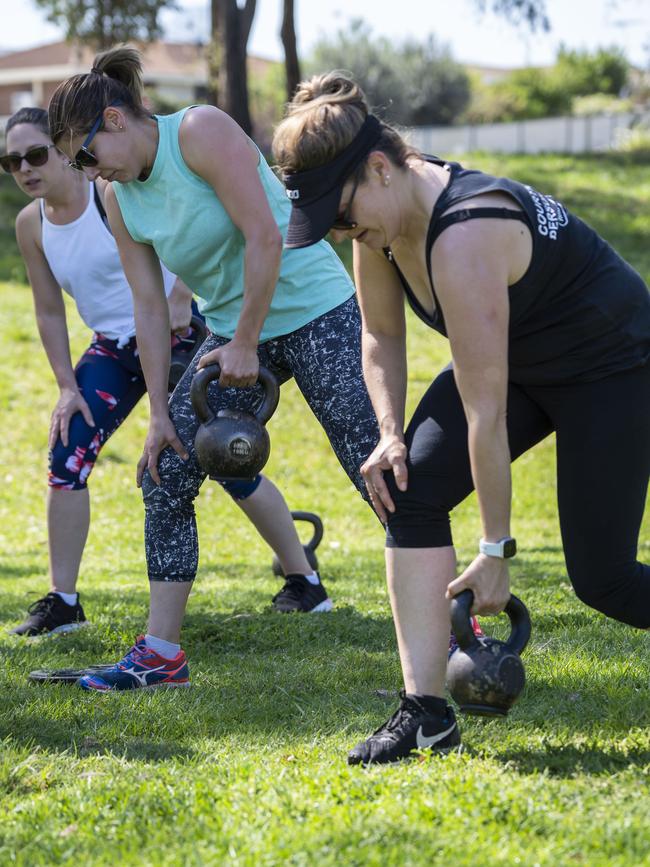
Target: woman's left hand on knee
[(488, 579)]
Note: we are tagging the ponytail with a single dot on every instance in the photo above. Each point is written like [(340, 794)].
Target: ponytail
[(116, 76)]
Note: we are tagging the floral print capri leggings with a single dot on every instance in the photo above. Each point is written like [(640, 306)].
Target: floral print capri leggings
[(324, 357)]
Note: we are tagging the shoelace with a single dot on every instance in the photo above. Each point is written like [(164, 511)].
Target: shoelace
[(293, 588), (407, 709), (133, 656), (43, 605)]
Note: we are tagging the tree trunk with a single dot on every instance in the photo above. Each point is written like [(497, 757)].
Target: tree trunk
[(288, 36), (234, 30), (214, 53)]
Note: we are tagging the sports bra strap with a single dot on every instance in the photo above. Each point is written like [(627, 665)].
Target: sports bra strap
[(100, 207), (438, 226)]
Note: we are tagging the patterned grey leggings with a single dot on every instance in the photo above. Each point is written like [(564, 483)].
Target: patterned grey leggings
[(324, 357)]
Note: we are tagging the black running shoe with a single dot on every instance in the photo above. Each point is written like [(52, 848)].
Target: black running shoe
[(51, 614), (411, 727), (299, 594)]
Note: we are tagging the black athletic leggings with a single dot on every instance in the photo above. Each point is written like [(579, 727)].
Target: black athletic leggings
[(603, 463)]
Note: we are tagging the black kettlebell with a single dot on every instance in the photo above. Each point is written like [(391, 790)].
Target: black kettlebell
[(232, 445), (180, 359), (310, 547), (485, 676)]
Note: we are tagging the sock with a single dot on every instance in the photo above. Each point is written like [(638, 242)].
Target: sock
[(313, 578), (68, 598), (166, 649), (432, 703)]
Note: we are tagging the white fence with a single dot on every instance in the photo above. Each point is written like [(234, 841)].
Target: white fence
[(553, 134)]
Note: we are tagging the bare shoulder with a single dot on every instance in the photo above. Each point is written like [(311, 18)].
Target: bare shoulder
[(201, 121), (28, 222)]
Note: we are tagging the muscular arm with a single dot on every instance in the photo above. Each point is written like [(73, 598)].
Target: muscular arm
[(473, 291), (383, 344), (142, 270), (471, 266), (233, 175), (48, 297), (51, 322)]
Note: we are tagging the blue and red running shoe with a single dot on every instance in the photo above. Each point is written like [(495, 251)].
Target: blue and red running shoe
[(453, 644), (141, 668)]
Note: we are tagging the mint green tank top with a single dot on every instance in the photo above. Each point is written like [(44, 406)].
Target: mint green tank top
[(180, 216)]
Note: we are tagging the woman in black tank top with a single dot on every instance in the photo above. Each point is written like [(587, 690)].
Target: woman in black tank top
[(549, 330)]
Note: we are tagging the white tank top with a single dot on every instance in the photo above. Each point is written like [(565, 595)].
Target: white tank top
[(85, 262)]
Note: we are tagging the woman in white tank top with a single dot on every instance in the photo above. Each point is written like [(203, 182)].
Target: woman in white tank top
[(67, 245)]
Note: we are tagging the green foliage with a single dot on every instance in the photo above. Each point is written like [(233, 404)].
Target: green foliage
[(11, 201), (247, 768), (103, 23), (412, 83), (525, 93), (582, 72), (532, 92), (531, 13)]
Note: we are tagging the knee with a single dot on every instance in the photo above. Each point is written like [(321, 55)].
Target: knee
[(420, 519), (242, 490), (621, 592), (70, 466)]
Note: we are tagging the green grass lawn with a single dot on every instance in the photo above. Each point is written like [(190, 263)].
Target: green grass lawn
[(248, 767)]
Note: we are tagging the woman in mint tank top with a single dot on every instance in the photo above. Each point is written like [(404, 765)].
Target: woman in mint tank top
[(193, 190), (67, 246)]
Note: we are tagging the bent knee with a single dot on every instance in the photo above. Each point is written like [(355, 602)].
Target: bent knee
[(420, 520), (69, 467), (622, 592)]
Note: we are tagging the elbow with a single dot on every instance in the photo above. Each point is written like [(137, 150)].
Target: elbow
[(267, 241)]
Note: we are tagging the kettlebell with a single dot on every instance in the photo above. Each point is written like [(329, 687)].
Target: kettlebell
[(310, 547), (180, 360), (232, 445), (485, 676)]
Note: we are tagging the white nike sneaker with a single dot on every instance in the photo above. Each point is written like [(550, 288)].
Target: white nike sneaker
[(413, 726)]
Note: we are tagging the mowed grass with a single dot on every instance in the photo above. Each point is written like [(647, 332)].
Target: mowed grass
[(248, 766)]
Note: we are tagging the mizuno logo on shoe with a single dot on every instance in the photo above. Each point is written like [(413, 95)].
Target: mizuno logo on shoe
[(423, 742), (141, 676)]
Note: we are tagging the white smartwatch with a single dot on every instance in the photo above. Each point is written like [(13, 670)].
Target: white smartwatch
[(504, 548)]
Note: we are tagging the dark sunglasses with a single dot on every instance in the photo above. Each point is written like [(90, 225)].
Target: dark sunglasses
[(85, 158), (34, 157), (343, 223)]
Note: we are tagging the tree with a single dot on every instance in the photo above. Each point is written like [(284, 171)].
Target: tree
[(603, 71), (102, 23), (411, 83), (518, 12), (288, 36), (231, 27)]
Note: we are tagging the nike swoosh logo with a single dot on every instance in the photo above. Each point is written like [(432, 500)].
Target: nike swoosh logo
[(423, 742)]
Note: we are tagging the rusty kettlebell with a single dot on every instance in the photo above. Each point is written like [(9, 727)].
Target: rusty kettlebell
[(485, 676), (310, 547), (232, 445), (181, 356)]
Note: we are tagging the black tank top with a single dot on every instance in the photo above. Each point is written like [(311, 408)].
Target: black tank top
[(580, 312)]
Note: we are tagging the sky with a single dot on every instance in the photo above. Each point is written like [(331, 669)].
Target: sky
[(484, 40)]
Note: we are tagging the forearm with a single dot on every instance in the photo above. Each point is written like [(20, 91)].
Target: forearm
[(53, 330), (490, 462), (261, 273), (384, 371), (152, 335)]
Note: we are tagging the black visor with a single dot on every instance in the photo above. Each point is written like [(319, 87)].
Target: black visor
[(315, 194)]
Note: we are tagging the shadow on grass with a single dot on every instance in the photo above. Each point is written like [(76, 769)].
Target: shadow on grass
[(571, 761)]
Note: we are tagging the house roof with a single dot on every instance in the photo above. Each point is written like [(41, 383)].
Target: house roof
[(161, 60)]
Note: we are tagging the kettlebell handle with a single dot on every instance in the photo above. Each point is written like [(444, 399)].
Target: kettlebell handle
[(316, 523), (461, 624), (200, 327), (199, 393)]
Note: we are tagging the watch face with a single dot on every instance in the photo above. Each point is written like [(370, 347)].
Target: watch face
[(509, 548)]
